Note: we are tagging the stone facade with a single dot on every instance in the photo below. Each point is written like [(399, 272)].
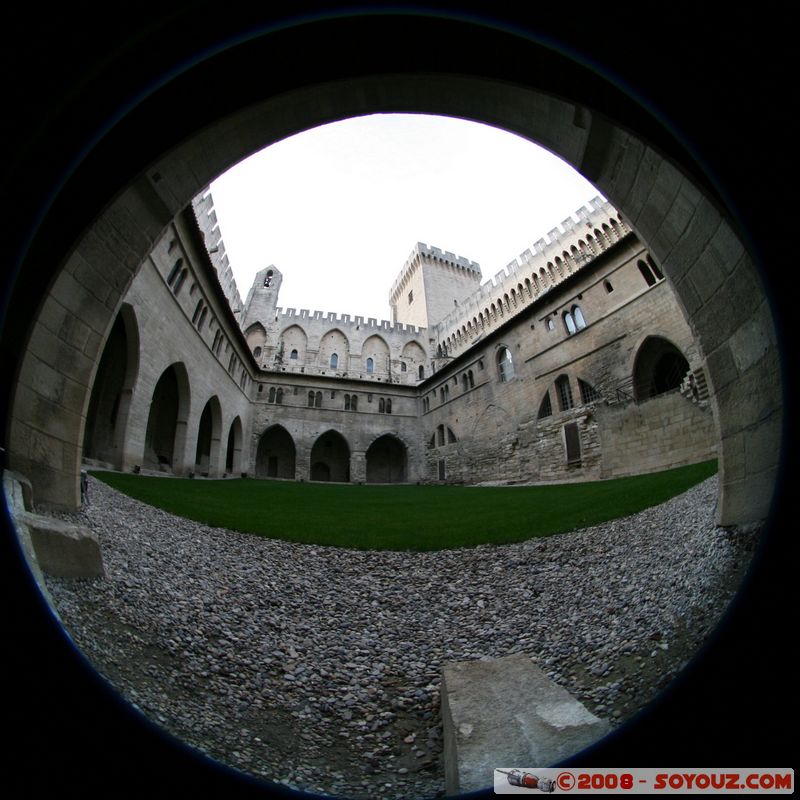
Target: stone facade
[(573, 363)]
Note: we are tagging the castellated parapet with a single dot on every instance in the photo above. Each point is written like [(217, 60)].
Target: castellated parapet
[(566, 250), (203, 206)]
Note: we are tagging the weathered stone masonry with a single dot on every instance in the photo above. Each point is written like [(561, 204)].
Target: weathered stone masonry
[(551, 371)]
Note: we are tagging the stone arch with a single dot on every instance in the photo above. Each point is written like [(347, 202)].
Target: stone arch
[(165, 435), (295, 341), (669, 192), (256, 336), (233, 449), (658, 367), (330, 458), (375, 347), (334, 350), (276, 454), (209, 435), (387, 460), (114, 382)]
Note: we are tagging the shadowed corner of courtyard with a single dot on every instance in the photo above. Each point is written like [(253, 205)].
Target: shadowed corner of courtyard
[(404, 517)]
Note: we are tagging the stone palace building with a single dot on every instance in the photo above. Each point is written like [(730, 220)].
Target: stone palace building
[(574, 362)]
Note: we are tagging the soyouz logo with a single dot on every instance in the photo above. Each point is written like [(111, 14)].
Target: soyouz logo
[(515, 780)]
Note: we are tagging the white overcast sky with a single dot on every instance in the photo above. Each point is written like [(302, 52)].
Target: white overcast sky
[(339, 208)]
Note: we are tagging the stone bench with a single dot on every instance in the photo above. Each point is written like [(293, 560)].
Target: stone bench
[(52, 545), (507, 713)]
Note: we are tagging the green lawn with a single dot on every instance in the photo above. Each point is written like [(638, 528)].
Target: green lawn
[(404, 517)]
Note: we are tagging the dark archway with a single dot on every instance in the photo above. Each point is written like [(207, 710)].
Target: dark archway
[(106, 419), (166, 423), (233, 451), (387, 460), (659, 367), (208, 438), (330, 458), (276, 454)]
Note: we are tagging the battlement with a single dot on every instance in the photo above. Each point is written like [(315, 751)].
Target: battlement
[(293, 315), (566, 249), (435, 254), (203, 207)]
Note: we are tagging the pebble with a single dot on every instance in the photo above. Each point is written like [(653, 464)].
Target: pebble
[(307, 665)]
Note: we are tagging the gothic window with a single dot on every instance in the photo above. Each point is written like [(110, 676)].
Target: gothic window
[(577, 315), (656, 271), (354, 403), (173, 275), (440, 435), (257, 353), (202, 318), (389, 405), (271, 398), (279, 396), (318, 400), (347, 402), (564, 393), (505, 364), (471, 379), (588, 393), (569, 323), (647, 273), (334, 360), (197, 309), (451, 437), (551, 325), (608, 287), (179, 283), (545, 408), (421, 372), (403, 366), (381, 406), (464, 382), (370, 366), (293, 355), (311, 399)]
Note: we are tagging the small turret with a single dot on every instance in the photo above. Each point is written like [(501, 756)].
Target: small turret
[(262, 299)]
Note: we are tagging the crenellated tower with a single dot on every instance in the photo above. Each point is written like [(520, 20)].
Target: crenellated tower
[(262, 299), (431, 284)]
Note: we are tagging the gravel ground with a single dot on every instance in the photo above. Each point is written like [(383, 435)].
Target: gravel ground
[(320, 667)]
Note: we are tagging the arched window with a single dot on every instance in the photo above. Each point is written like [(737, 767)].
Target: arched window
[(440, 435), (545, 407), (608, 287), (199, 307), (441, 395), (564, 393), (202, 318), (451, 437), (421, 372), (271, 394), (381, 406), (354, 403), (173, 275), (471, 379), (647, 273), (505, 364), (347, 402), (464, 382), (293, 355), (370, 366), (334, 360), (318, 400), (656, 271), (577, 315), (403, 366), (279, 396), (389, 405), (257, 353), (588, 393), (569, 323), (311, 399)]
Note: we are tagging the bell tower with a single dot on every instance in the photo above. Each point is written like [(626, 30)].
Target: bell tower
[(262, 299)]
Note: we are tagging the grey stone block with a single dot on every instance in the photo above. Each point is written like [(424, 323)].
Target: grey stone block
[(63, 549), (506, 712)]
